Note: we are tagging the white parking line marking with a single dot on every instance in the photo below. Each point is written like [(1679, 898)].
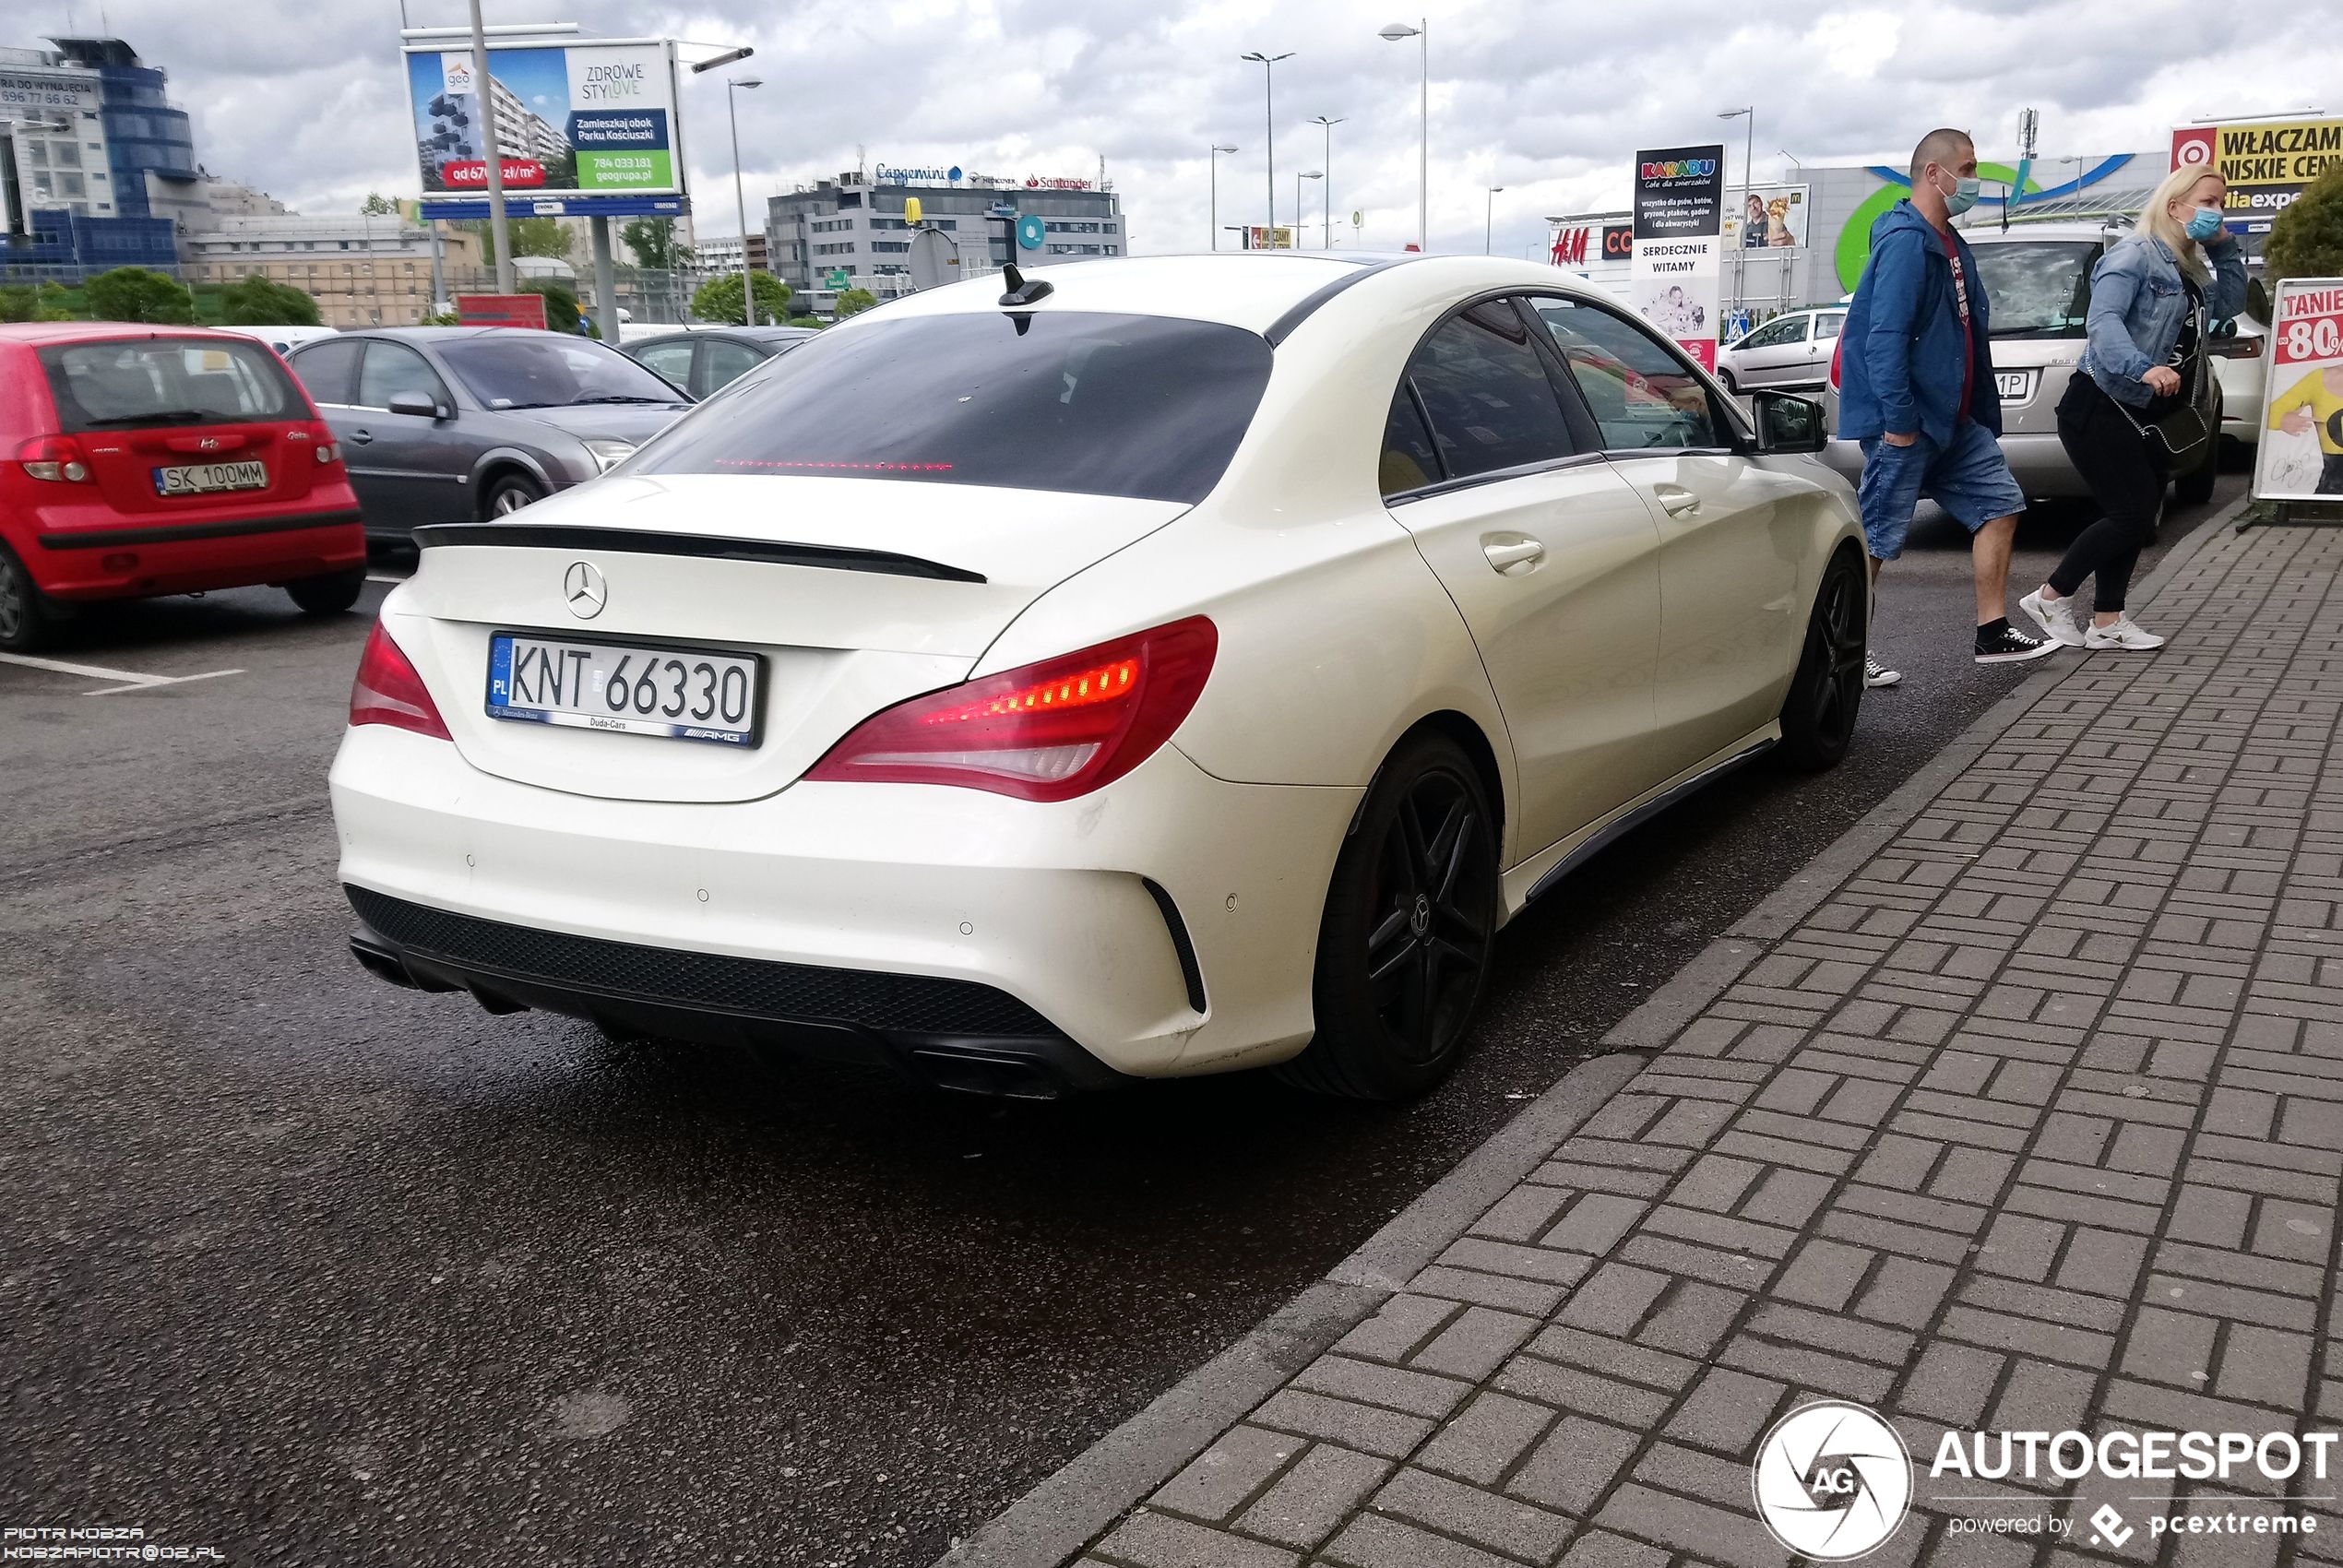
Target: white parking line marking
[(153, 681), (130, 680)]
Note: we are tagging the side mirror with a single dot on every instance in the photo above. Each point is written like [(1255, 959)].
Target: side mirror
[(1786, 424), (415, 403)]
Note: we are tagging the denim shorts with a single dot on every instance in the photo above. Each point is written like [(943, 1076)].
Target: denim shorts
[(1971, 480)]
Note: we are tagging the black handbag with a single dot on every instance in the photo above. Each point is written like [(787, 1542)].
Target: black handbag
[(2180, 434)]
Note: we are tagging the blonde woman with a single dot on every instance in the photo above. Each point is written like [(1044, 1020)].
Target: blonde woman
[(2143, 327)]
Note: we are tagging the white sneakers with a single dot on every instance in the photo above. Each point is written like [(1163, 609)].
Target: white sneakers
[(1876, 674), (2126, 634), (2056, 618)]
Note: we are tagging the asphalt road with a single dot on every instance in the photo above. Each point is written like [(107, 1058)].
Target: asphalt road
[(314, 1270)]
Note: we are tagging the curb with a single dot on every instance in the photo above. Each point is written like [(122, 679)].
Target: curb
[(1053, 1523)]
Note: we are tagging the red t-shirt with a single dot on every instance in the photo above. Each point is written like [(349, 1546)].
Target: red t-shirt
[(1968, 339)]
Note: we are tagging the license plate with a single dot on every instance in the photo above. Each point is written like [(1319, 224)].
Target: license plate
[(208, 479), (676, 694), (2014, 386)]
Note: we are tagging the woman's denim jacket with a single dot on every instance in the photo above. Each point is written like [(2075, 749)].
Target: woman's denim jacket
[(2139, 304)]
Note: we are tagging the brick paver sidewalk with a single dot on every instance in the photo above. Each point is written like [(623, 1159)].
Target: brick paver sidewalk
[(2035, 1123)]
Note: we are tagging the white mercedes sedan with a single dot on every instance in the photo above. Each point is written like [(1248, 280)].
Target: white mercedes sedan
[(1163, 666)]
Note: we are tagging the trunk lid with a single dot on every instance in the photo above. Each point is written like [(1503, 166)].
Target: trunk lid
[(854, 593)]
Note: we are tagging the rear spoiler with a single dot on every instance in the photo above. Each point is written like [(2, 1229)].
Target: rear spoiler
[(702, 547)]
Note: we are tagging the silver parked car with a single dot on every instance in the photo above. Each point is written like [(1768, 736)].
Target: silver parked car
[(453, 424), (2038, 278), (1789, 353)]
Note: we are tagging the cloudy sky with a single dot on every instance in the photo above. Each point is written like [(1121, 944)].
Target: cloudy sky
[(305, 98)]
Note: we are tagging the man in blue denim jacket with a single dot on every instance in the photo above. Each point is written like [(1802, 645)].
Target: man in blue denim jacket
[(1916, 388)]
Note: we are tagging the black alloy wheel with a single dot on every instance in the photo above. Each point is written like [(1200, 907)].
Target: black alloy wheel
[(1403, 950), (24, 619), (1818, 716)]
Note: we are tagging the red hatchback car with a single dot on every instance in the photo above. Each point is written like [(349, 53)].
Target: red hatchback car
[(143, 461)]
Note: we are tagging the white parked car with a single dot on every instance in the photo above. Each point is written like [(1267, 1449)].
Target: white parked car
[(284, 339), (1187, 668), (1791, 353), (2242, 364)]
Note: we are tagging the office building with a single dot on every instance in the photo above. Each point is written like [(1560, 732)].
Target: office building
[(96, 165), (849, 232), (363, 271)]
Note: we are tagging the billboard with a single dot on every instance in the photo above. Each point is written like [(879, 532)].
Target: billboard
[(501, 310), (2266, 162), (1261, 239), (2300, 457), (1678, 219), (572, 120), (1590, 244), (1768, 218)]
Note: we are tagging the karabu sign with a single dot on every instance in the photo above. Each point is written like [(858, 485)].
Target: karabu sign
[(1679, 221), (575, 119), (2266, 163), (2300, 457)]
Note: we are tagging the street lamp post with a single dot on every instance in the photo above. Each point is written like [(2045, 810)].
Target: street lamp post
[(1489, 219), (1325, 240), (1421, 31), (739, 201), (1748, 156), (1299, 175), (1269, 119), (1218, 149)]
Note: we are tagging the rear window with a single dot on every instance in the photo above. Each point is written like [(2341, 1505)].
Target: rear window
[(2037, 287), (1144, 407), (142, 382)]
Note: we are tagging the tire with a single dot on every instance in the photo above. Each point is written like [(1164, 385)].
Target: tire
[(328, 595), (1411, 915), (511, 494), (26, 614), (1733, 387), (1818, 716)]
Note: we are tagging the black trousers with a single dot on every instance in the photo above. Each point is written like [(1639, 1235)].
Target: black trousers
[(2126, 480)]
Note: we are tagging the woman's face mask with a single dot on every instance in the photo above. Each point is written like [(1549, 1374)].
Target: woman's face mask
[(2203, 222)]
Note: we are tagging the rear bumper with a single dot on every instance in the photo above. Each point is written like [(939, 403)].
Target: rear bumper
[(133, 560), (1166, 924)]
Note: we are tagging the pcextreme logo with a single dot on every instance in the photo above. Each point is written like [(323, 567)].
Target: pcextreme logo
[(1832, 1481), (1681, 168)]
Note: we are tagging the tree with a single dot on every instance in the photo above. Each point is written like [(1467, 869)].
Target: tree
[(806, 321), (531, 236), (376, 204), (18, 301), (2306, 240), (719, 299), (257, 302), (561, 303), (134, 293), (652, 242), (52, 303), (854, 301)]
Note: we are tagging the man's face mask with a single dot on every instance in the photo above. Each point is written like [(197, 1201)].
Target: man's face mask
[(1963, 195)]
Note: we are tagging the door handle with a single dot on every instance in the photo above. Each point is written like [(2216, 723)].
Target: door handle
[(1507, 553), (360, 437), (1675, 499)]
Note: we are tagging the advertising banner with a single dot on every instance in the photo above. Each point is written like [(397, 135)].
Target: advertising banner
[(1768, 218), (1260, 239), (1679, 222), (1591, 245), (2266, 162), (2300, 457), (573, 120), (501, 310)]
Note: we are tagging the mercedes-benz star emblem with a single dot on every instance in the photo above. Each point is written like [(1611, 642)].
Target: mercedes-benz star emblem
[(583, 590)]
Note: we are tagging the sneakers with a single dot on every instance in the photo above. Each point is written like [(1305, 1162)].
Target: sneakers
[(1876, 674), (2003, 643), (2054, 616), (2126, 634)]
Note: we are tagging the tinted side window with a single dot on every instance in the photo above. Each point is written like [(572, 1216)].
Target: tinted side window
[(1486, 392), (1826, 327), (1410, 461), (327, 369), (1641, 394), (1774, 334), (673, 361), (393, 368), (728, 361)]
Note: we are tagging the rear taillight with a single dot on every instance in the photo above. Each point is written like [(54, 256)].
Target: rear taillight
[(55, 459), (322, 446), (2236, 348), (387, 690), (1048, 731)]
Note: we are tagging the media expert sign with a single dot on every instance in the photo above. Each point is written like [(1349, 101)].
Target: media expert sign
[(576, 119), (1587, 244), (2300, 457), (1678, 222), (2266, 163)]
